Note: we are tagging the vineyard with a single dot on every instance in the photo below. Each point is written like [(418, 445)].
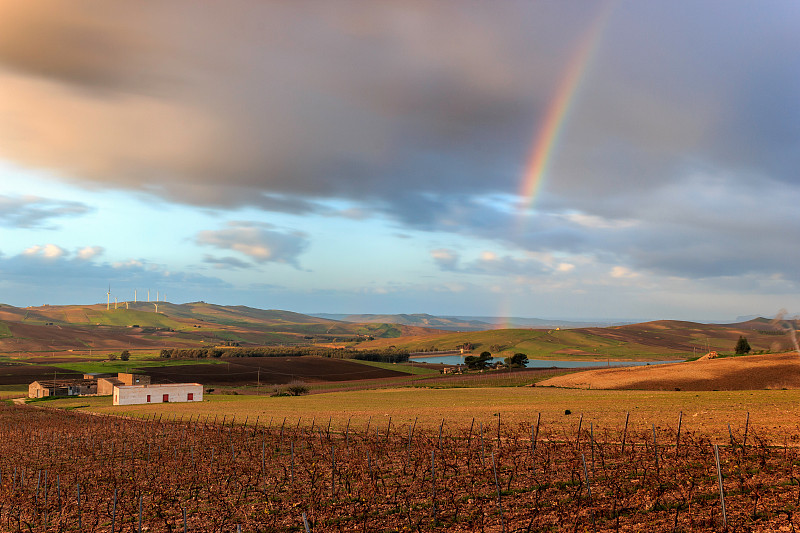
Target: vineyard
[(70, 471)]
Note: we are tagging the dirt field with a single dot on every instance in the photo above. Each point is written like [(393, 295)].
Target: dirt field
[(754, 372), (11, 374), (265, 370)]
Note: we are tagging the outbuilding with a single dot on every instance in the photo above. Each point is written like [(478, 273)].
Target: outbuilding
[(62, 387), (144, 394)]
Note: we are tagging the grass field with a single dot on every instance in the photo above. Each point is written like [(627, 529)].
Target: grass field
[(772, 412), (115, 366)]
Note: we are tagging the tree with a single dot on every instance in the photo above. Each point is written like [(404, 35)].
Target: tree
[(518, 360), (742, 346), (125, 355), (478, 363)]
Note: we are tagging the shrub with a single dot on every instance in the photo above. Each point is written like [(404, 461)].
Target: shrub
[(125, 355), (297, 388)]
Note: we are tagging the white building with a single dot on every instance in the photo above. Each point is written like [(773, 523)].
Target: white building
[(143, 394)]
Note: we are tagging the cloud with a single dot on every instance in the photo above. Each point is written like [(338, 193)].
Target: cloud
[(445, 259), (36, 212), (678, 156), (47, 251), (226, 262), (89, 252), (259, 242)]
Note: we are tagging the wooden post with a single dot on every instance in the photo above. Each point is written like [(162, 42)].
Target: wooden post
[(721, 489), (746, 427), (625, 432), (433, 483), (678, 438)]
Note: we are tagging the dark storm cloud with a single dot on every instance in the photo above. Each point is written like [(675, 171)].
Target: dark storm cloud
[(420, 111), (35, 212)]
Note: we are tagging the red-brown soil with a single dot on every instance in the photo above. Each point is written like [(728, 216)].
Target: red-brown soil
[(275, 370), (11, 374), (773, 371)]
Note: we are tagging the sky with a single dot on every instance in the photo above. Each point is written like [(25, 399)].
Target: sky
[(609, 159)]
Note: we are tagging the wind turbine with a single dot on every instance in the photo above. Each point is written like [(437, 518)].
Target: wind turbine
[(108, 298), (148, 295), (134, 296), (115, 302), (156, 306)]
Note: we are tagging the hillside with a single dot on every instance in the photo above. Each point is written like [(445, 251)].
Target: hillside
[(754, 372), (138, 326), (659, 340)]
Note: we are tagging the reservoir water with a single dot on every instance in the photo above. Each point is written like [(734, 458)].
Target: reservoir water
[(539, 363)]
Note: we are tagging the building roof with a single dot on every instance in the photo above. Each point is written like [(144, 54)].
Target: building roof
[(165, 385), (63, 382)]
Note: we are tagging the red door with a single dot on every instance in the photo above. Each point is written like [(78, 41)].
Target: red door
[(166, 398), (148, 398), (191, 396)]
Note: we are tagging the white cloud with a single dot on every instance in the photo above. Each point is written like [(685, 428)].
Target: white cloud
[(90, 252), (48, 251), (622, 272)]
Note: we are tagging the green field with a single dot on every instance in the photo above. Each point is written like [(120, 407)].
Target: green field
[(115, 366), (771, 411)]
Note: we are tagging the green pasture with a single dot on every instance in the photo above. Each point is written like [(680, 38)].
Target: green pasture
[(127, 366), (773, 413)]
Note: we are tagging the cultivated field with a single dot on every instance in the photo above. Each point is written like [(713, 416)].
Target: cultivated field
[(773, 412), (67, 471), (753, 372)]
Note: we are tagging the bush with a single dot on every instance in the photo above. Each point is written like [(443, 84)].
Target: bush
[(297, 388), (125, 355)]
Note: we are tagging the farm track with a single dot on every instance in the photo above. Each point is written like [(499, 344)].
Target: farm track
[(266, 475)]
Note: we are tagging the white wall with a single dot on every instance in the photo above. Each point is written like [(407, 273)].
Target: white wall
[(176, 392)]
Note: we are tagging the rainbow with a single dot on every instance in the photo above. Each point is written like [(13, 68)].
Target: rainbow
[(558, 112)]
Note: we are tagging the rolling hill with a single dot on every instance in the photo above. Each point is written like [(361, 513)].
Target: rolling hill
[(658, 340), (138, 326), (197, 324)]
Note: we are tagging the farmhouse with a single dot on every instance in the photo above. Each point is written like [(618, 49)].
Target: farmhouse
[(105, 385), (143, 394), (62, 387)]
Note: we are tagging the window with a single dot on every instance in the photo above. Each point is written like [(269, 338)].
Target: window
[(148, 398), (191, 396), (166, 398)]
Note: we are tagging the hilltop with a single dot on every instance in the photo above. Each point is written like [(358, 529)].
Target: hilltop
[(137, 325)]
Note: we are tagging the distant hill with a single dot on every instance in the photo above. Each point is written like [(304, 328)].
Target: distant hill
[(664, 339), (467, 323), (135, 325), (199, 324), (417, 319)]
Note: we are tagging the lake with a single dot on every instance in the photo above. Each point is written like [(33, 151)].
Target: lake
[(539, 363)]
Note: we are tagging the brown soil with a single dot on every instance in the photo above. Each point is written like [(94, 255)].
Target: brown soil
[(773, 371), (275, 370), (18, 374)]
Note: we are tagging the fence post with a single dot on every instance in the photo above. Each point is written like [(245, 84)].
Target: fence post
[(721, 490)]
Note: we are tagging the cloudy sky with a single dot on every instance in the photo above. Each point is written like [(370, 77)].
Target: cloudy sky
[(528, 158)]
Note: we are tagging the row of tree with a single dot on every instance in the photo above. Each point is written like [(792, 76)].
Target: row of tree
[(482, 361), (389, 355)]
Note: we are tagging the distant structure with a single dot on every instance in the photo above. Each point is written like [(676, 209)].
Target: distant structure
[(144, 394), (108, 298), (105, 385), (62, 387)]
